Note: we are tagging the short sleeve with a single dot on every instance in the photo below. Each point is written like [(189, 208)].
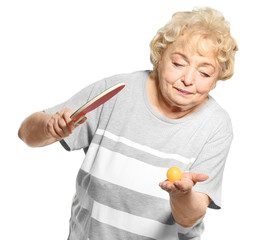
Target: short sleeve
[(211, 161), (82, 135), (191, 233)]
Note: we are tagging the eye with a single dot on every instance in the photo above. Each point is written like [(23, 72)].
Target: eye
[(204, 75), (178, 64)]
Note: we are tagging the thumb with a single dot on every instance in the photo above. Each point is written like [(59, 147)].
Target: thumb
[(83, 120), (196, 177), (200, 177)]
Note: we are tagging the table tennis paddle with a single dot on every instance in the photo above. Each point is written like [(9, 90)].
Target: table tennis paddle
[(79, 114)]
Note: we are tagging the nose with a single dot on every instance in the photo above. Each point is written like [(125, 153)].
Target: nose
[(189, 76)]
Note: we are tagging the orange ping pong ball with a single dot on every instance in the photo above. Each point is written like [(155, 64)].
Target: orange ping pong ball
[(173, 174)]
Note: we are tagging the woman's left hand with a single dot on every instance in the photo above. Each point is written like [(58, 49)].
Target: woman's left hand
[(183, 186), (187, 206)]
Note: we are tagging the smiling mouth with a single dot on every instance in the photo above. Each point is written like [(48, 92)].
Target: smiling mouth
[(183, 92)]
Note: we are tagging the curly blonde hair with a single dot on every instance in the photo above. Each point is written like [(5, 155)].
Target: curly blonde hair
[(205, 23)]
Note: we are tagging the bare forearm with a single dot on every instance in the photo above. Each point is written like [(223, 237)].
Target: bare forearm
[(189, 208), (41, 129), (33, 130)]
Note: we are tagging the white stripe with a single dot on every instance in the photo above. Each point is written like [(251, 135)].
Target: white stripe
[(144, 148), (125, 171), (90, 157), (134, 224)]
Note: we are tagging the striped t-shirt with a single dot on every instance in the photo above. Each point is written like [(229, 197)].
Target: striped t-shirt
[(128, 148)]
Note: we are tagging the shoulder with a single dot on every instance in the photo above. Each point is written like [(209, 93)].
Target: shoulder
[(127, 78), (219, 118), (213, 119), (131, 80), (217, 112)]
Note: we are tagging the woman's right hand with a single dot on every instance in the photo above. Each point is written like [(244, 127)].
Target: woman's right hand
[(60, 124), (41, 129)]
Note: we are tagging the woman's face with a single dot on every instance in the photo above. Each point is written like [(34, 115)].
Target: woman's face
[(186, 78)]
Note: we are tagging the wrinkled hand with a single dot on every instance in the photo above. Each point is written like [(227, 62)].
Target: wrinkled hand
[(60, 125), (182, 187)]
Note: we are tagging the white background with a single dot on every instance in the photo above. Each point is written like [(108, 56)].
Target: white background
[(51, 49)]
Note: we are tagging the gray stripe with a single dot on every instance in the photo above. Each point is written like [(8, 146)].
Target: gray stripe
[(132, 202), (83, 227), (138, 154), (110, 232), (80, 220)]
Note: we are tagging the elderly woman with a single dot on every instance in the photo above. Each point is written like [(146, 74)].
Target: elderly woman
[(162, 118)]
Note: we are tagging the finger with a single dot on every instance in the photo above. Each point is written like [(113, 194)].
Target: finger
[(164, 184), (58, 130), (69, 126), (69, 111), (61, 123), (66, 129), (195, 177), (66, 117), (201, 177), (184, 185), (167, 186), (51, 130), (81, 121)]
